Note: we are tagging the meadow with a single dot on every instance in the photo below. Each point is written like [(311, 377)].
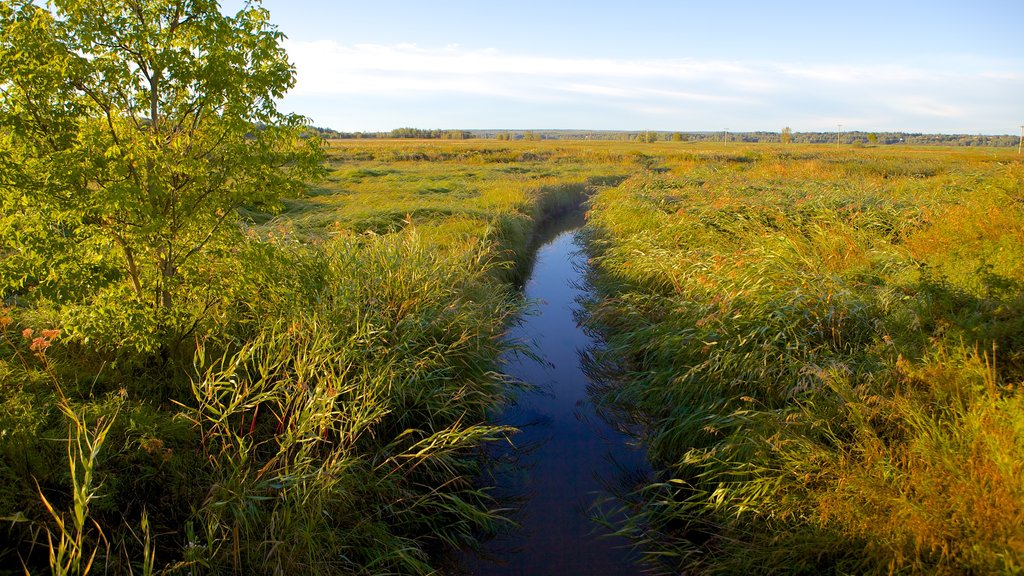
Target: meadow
[(820, 349)]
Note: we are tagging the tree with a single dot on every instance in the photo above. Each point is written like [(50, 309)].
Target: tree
[(143, 125), (787, 135)]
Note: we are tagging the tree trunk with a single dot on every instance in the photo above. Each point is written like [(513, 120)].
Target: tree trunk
[(133, 269)]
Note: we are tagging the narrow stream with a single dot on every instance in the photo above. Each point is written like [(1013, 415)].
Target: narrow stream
[(565, 454)]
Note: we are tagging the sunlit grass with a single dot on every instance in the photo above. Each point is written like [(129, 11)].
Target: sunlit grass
[(325, 411), (805, 339), (821, 348)]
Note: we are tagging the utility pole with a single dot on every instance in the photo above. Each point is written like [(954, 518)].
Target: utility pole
[(1020, 145), (839, 136), (726, 136)]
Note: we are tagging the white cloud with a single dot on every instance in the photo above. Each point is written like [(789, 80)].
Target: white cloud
[(922, 105), (326, 67), (857, 75), (759, 94)]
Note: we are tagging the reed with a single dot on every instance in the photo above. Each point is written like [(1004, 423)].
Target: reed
[(316, 404), (803, 339), (821, 353)]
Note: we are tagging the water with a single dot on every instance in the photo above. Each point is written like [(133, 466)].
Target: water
[(565, 455)]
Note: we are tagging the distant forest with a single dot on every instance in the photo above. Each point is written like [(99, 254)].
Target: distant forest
[(851, 138)]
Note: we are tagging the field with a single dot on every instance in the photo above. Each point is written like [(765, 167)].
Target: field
[(449, 191), (819, 347)]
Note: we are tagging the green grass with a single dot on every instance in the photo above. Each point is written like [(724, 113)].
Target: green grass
[(821, 351), (820, 348), (316, 405)]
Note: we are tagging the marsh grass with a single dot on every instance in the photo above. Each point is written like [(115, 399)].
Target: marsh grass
[(77, 540), (803, 338), (822, 353), (324, 412), (332, 428)]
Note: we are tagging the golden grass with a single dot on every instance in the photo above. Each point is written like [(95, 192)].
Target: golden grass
[(778, 321)]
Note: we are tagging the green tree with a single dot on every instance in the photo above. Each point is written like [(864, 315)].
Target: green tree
[(142, 126)]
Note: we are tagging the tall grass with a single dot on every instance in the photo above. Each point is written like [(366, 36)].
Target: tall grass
[(325, 410), (73, 550), (806, 347), (348, 424), (803, 337), (333, 428)]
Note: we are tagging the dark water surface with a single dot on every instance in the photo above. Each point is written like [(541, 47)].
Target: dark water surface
[(565, 455)]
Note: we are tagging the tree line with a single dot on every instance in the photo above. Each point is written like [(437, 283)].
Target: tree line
[(785, 136)]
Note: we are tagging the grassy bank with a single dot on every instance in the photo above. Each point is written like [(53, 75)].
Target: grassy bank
[(314, 401), (822, 352)]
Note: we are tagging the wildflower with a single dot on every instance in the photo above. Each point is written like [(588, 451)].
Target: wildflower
[(50, 334), (28, 332), (39, 344)]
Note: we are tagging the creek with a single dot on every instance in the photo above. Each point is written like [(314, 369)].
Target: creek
[(565, 457)]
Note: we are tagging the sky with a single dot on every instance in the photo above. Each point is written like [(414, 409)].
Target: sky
[(934, 67)]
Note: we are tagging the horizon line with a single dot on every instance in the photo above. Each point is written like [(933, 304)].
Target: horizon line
[(665, 131)]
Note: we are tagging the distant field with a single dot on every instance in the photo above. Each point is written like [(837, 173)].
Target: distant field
[(372, 185), (445, 187)]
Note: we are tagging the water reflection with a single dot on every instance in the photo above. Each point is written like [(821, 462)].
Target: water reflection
[(566, 457)]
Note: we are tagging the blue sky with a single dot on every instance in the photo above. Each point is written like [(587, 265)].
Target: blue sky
[(954, 67)]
